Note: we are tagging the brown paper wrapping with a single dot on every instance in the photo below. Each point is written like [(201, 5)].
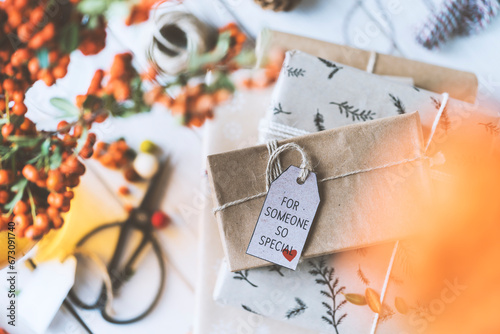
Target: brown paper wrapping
[(459, 84), (355, 211)]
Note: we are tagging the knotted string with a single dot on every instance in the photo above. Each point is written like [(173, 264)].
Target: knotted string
[(273, 169)]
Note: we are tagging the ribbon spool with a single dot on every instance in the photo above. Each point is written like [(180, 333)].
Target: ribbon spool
[(179, 35)]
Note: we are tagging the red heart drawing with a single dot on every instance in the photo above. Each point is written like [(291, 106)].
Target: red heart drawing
[(289, 255)]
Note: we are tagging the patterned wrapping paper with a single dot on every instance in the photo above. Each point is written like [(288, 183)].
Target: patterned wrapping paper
[(300, 107), (326, 294), (313, 94)]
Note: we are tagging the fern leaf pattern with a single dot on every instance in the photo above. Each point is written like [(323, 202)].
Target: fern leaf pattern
[(334, 68), (444, 122), (296, 310), (242, 275), (491, 128), (319, 121), (400, 107), (355, 114), (362, 277), (325, 276)]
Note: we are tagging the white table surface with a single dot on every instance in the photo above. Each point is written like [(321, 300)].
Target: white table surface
[(321, 19)]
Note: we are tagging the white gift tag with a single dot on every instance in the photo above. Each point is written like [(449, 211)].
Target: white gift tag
[(285, 219)]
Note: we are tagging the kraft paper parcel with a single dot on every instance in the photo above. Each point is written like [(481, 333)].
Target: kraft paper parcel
[(460, 85), (356, 211)]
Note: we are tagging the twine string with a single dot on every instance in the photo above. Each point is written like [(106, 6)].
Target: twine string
[(305, 166), (370, 66), (274, 167)]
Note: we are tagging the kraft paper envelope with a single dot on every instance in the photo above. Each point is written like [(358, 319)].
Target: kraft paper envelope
[(358, 210), (459, 84)]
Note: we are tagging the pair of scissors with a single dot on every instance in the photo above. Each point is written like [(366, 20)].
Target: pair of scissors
[(139, 220)]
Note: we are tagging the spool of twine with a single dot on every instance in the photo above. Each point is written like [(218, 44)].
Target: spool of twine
[(178, 36)]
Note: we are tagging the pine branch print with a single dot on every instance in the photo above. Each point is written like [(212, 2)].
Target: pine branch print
[(294, 71), (491, 128), (243, 276), (279, 110), (325, 276), (362, 276), (386, 313), (400, 107), (444, 122), (356, 115), (277, 269), (297, 310), (246, 308), (362, 251), (331, 65), (319, 121)]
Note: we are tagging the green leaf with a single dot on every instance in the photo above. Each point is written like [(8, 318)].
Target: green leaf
[(24, 141), (6, 156), (81, 141), (55, 158), (68, 38), (19, 187), (44, 149), (92, 7), (43, 57), (64, 105)]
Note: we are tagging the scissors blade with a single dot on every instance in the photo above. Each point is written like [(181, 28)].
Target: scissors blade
[(156, 189)]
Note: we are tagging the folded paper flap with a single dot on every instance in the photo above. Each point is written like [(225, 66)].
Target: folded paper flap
[(372, 204), (242, 173), (430, 77)]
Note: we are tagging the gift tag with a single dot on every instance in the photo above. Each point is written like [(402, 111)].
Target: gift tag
[(285, 219)]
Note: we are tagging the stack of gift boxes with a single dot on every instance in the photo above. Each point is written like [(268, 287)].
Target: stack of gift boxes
[(382, 142)]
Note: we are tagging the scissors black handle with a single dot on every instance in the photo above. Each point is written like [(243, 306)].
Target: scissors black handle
[(117, 276)]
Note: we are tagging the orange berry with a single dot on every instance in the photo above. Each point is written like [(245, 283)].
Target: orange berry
[(20, 4), (62, 127), (20, 208), (9, 85), (55, 200), (33, 66), (124, 190), (24, 32), (30, 173), (36, 15), (36, 41), (14, 18), (33, 233), (69, 194), (121, 91), (21, 222), (42, 222), (52, 212), (19, 109), (47, 77), (48, 31), (18, 96), (95, 84), (20, 57), (4, 196), (7, 130), (57, 222), (59, 72), (55, 180), (5, 177), (64, 60)]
